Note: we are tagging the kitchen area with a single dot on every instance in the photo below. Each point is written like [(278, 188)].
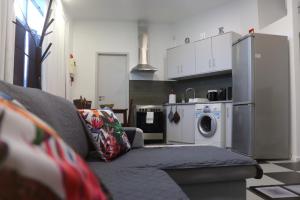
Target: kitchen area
[(216, 95), (188, 84), (157, 93)]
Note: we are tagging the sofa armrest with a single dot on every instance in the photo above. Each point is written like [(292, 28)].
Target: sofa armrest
[(135, 137)]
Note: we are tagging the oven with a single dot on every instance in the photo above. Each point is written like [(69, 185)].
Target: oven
[(150, 118)]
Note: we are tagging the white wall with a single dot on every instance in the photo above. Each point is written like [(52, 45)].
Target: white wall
[(7, 40), (90, 37), (270, 11), (54, 68), (238, 16)]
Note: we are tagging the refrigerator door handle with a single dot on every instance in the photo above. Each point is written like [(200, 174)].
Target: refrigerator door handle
[(242, 103)]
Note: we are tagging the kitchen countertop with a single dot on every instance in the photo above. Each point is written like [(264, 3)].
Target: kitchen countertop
[(209, 102)]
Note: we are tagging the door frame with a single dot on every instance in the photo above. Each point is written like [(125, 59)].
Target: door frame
[(97, 70)]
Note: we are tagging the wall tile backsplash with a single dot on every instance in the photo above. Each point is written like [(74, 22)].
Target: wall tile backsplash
[(157, 92)]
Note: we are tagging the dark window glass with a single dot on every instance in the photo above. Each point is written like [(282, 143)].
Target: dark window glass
[(30, 16)]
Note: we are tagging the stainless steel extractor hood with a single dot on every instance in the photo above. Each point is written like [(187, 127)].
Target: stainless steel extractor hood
[(143, 37)]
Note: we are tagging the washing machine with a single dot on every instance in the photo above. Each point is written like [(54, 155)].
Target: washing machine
[(210, 124)]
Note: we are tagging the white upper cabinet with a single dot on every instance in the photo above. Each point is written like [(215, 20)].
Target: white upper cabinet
[(222, 52), (203, 57), (173, 62), (188, 60), (181, 61)]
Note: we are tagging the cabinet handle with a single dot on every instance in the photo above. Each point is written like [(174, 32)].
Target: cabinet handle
[(209, 62), (227, 112)]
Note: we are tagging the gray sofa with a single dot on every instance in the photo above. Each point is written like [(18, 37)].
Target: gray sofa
[(146, 173)]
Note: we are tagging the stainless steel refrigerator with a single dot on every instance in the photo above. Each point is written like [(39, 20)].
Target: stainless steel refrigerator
[(261, 97)]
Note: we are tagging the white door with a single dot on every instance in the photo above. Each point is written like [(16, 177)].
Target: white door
[(222, 52), (188, 124), (173, 59), (112, 80), (188, 65), (203, 56)]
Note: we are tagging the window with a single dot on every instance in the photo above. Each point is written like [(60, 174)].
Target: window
[(30, 14)]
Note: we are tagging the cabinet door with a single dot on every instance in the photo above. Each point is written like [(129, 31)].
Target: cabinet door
[(222, 52), (188, 124), (173, 62), (188, 64), (173, 130), (203, 56)]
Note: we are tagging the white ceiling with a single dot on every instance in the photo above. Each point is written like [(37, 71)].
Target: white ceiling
[(166, 11)]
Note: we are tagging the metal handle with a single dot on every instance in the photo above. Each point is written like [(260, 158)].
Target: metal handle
[(227, 112), (209, 63)]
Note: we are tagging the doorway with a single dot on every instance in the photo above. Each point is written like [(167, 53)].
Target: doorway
[(112, 80)]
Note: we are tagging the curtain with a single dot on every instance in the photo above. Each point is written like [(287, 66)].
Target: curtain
[(7, 39), (54, 69)]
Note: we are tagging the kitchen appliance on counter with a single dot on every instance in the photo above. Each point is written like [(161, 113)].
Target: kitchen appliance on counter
[(217, 95), (222, 94), (261, 98), (229, 93), (172, 97), (150, 118), (212, 95)]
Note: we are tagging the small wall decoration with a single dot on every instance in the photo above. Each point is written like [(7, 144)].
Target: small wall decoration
[(187, 40), (221, 30), (72, 68)]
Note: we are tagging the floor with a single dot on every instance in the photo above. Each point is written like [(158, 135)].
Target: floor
[(275, 173)]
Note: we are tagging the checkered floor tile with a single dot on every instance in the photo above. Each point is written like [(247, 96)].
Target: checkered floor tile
[(276, 173)]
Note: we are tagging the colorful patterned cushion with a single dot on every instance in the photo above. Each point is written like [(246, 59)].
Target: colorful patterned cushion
[(35, 163), (107, 134), (9, 98)]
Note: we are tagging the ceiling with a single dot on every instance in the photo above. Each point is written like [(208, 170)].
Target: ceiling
[(166, 11)]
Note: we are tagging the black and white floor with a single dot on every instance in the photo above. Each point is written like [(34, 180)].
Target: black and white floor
[(281, 180)]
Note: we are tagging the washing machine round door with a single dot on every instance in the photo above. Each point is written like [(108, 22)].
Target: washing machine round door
[(207, 125)]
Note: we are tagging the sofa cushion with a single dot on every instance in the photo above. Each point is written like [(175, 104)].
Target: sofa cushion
[(135, 137), (106, 133), (56, 111), (128, 184), (34, 154), (185, 157)]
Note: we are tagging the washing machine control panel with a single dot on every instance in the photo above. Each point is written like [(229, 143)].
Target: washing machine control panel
[(206, 109)]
